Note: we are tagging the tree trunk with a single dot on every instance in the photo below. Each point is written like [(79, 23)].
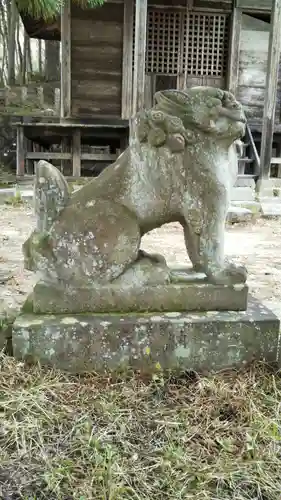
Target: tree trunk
[(4, 33), (40, 60), (12, 43), (29, 58), (24, 65), (52, 58), (20, 55)]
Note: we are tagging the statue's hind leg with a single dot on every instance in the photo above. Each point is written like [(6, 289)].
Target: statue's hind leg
[(95, 243), (102, 246)]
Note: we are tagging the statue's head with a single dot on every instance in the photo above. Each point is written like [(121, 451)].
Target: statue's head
[(206, 109)]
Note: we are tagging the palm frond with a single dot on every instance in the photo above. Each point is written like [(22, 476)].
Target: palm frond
[(48, 9)]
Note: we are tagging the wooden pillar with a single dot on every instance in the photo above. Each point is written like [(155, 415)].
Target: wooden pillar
[(20, 151), (139, 55), (76, 153), (127, 71), (274, 49), (65, 111), (29, 163), (234, 50)]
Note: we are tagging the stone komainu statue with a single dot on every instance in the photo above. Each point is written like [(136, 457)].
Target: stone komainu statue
[(180, 166)]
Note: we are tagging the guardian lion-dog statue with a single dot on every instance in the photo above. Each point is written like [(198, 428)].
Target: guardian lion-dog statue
[(180, 166)]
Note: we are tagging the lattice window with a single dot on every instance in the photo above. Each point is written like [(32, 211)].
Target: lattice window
[(191, 43), (205, 44), (163, 42)]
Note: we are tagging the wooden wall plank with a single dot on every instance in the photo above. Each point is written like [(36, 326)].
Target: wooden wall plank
[(255, 5), (252, 66), (127, 71), (66, 59), (139, 56), (97, 47), (20, 151)]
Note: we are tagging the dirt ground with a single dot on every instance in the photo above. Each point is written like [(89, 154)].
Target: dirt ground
[(256, 245)]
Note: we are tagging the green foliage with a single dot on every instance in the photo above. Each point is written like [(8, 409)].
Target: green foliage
[(48, 9)]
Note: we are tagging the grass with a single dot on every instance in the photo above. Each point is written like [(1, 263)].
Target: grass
[(15, 200), (93, 437)]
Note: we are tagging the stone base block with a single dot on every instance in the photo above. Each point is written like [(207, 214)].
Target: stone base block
[(7, 194), (243, 194), (270, 207), (245, 182), (269, 184), (204, 342), (254, 206), (194, 295), (239, 214)]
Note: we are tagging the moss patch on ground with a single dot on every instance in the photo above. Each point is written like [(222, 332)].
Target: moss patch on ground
[(183, 437)]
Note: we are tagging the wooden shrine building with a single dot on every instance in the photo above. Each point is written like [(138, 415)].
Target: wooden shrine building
[(116, 56)]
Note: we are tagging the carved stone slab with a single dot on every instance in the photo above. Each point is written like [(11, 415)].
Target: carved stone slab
[(193, 296)]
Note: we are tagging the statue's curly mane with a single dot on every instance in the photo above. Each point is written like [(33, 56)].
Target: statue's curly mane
[(186, 113)]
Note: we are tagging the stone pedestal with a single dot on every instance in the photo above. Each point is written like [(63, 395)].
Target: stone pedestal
[(202, 341), (194, 293)]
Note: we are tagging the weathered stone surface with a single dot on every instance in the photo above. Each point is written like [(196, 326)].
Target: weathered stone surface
[(180, 166), (149, 342), (189, 293)]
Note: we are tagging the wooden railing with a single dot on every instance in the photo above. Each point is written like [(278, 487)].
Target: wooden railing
[(255, 154), (34, 99)]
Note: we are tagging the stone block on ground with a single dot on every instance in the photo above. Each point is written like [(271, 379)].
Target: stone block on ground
[(254, 206), (27, 194), (245, 182), (243, 194), (239, 214), (269, 189), (269, 184), (6, 194), (270, 207), (24, 194), (205, 342)]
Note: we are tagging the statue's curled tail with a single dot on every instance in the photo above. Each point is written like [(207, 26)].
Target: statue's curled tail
[(51, 194)]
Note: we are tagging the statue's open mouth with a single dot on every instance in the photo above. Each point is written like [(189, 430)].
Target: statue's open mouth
[(232, 114)]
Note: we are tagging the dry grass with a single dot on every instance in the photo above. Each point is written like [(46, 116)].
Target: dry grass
[(92, 437)]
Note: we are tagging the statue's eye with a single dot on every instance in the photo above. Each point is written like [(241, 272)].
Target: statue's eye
[(157, 116)]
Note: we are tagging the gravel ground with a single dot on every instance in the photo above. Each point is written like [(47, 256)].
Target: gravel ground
[(256, 245)]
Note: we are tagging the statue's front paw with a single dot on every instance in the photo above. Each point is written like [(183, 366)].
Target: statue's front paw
[(230, 275)]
